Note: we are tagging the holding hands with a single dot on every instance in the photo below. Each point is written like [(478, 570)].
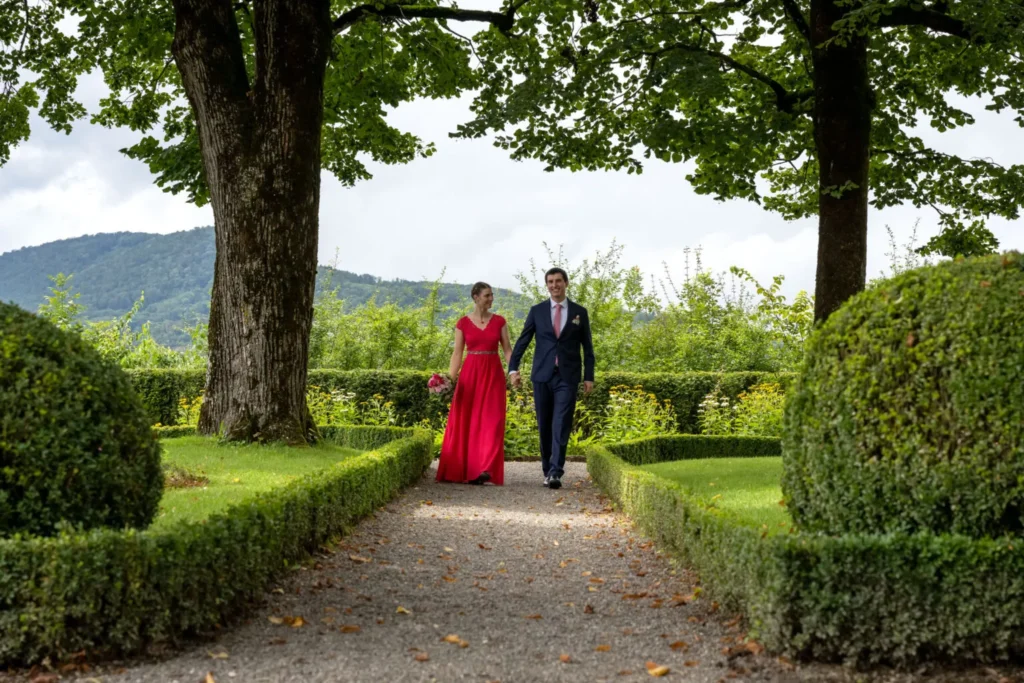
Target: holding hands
[(517, 382)]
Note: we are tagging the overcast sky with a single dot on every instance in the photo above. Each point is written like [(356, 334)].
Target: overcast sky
[(468, 209)]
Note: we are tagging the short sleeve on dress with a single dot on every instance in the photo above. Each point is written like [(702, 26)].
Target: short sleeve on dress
[(460, 324)]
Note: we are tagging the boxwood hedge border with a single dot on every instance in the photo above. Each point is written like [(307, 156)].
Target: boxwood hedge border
[(162, 389), (861, 599), (109, 592)]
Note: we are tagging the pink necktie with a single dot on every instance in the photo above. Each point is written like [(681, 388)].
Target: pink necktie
[(558, 326)]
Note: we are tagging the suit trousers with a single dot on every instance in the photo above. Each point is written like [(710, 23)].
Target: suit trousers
[(555, 402)]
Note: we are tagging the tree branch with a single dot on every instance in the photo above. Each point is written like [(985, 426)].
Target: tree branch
[(796, 15), (786, 100), (927, 17), (502, 20)]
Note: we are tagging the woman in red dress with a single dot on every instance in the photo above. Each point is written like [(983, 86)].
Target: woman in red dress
[(473, 450)]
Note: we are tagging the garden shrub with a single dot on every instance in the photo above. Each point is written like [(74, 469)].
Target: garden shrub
[(76, 446), (633, 413), (755, 412), (909, 413), (862, 599), (110, 592)]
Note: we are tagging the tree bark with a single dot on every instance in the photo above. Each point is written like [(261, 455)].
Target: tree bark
[(843, 103), (260, 144)]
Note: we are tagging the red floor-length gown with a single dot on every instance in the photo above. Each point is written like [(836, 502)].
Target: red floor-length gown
[(474, 440)]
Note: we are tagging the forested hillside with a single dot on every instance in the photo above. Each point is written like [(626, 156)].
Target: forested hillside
[(175, 271)]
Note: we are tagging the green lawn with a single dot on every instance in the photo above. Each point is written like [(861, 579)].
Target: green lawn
[(746, 487), (235, 473)]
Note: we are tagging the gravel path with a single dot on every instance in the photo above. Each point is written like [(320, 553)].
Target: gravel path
[(466, 583)]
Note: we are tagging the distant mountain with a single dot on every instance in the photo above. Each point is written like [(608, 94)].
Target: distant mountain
[(175, 271)]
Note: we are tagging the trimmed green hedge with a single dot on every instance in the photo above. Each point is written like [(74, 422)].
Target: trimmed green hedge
[(650, 450), (857, 598), (909, 412), (109, 592), (75, 442), (161, 390), (360, 438)]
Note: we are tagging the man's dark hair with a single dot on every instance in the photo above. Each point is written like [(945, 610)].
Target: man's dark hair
[(556, 271)]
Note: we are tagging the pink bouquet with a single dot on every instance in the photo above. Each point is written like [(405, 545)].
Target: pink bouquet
[(438, 384)]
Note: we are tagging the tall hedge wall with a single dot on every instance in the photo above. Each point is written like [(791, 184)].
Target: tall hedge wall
[(161, 390)]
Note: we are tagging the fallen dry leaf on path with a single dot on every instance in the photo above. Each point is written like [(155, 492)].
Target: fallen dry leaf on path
[(533, 616), (217, 655), (603, 648), (360, 558), (402, 610), (483, 547), (565, 659), (422, 657), (350, 628), (209, 678), (658, 671), (588, 609), (690, 663), (455, 640), (679, 645), (275, 620)]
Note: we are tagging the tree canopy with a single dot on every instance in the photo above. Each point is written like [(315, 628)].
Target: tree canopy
[(381, 56), (729, 85)]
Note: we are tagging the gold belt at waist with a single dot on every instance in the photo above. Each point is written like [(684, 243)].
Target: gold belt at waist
[(481, 353)]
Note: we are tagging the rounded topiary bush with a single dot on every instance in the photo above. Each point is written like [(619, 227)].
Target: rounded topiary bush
[(75, 442), (909, 412)]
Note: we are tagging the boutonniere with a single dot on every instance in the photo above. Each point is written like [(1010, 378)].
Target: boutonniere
[(576, 320)]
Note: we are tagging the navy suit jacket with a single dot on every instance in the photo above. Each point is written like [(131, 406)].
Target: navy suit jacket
[(575, 336)]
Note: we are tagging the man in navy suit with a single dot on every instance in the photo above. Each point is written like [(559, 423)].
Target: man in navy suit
[(562, 328)]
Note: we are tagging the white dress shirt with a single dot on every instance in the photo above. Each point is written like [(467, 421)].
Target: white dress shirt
[(565, 313)]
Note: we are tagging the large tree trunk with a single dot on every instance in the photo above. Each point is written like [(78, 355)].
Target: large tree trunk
[(843, 104), (260, 144)]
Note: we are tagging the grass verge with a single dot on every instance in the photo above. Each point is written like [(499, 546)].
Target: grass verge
[(747, 488), (234, 473)]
